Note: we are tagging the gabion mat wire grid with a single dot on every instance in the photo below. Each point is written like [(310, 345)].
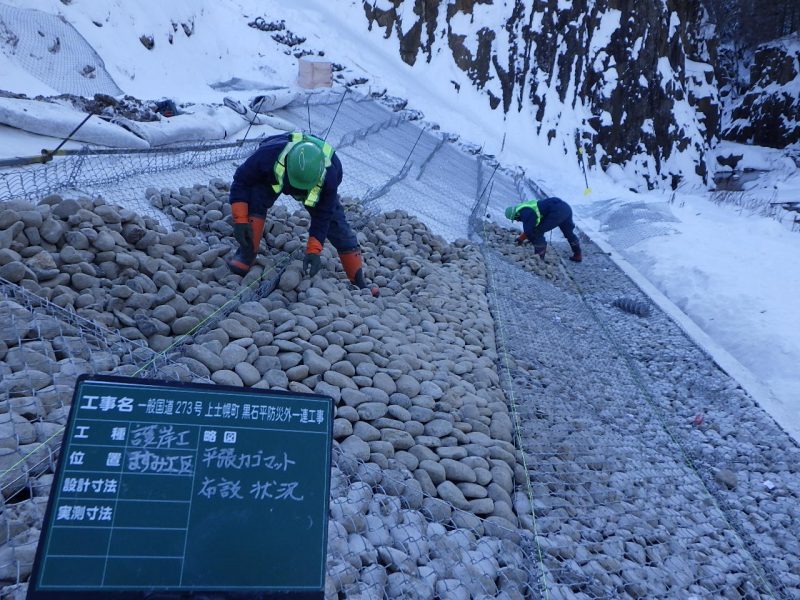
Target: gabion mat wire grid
[(405, 526), (619, 512), (744, 458), (44, 349)]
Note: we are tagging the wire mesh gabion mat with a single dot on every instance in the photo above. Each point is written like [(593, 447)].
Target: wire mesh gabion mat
[(619, 512), (55, 346), (44, 348)]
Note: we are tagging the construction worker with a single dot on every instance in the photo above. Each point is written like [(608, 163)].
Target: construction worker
[(307, 168), (539, 217)]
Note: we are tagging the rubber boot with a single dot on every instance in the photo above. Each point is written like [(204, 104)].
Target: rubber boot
[(245, 257), (576, 251), (354, 267)]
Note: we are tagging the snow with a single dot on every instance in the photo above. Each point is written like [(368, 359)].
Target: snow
[(12, 75), (730, 276), (733, 274), (674, 23), (664, 69), (609, 23)]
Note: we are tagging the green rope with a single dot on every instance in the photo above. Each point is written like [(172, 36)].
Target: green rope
[(517, 421)]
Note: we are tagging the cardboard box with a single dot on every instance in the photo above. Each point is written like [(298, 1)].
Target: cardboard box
[(314, 72)]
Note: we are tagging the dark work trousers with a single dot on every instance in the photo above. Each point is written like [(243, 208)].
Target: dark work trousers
[(555, 213), (339, 232), (260, 199)]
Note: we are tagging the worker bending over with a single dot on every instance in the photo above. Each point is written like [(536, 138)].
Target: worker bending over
[(306, 168), (539, 217)]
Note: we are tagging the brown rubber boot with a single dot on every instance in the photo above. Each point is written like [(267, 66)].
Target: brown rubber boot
[(577, 256)]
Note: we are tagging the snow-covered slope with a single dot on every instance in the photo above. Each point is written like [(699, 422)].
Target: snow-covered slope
[(194, 43), (632, 85), (769, 112), (631, 80)]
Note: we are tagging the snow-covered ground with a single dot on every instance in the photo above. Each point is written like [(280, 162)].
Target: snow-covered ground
[(735, 274)]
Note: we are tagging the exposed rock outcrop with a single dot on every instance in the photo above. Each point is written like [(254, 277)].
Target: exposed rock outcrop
[(769, 112), (635, 78)]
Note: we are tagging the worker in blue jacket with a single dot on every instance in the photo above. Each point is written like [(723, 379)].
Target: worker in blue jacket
[(306, 168), (539, 217)]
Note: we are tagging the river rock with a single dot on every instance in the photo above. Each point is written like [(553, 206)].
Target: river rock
[(451, 494)]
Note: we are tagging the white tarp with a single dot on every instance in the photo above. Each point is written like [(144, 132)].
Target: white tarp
[(258, 118), (197, 124), (57, 120), (272, 100)]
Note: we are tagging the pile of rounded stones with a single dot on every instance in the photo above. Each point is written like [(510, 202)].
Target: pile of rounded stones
[(112, 266), (503, 239), (40, 359), (41, 355), (421, 422), (423, 488), (746, 462)]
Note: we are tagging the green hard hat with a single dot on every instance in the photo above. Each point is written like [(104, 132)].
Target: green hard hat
[(305, 165), (511, 212)]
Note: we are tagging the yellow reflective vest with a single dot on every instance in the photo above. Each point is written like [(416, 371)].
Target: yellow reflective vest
[(533, 205), (295, 138)]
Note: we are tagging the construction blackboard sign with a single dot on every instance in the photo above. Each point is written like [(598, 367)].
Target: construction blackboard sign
[(170, 490)]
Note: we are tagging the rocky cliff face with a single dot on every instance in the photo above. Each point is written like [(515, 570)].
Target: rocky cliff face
[(632, 81), (768, 112)]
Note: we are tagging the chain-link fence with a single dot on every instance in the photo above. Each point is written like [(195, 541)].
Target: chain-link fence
[(126, 174)]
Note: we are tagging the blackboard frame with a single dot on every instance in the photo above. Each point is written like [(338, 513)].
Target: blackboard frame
[(34, 593)]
